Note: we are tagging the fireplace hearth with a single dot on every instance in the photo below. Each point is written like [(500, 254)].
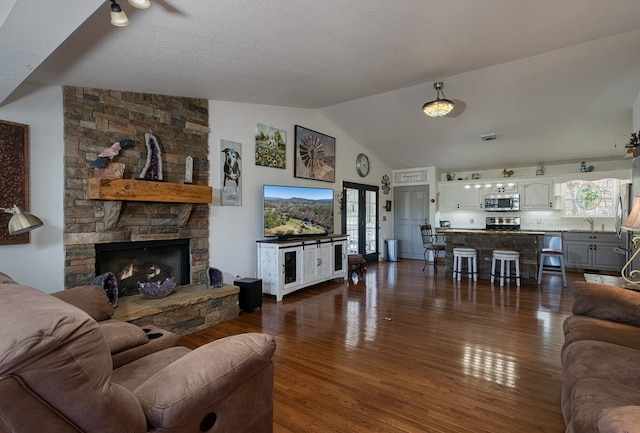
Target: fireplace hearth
[(135, 262)]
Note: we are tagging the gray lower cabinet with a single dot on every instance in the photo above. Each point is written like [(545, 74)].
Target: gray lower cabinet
[(591, 250)]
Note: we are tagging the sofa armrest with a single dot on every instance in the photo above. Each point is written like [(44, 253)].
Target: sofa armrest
[(624, 419), (607, 302), (195, 384)]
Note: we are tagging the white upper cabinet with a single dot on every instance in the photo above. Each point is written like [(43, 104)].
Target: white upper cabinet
[(537, 194)]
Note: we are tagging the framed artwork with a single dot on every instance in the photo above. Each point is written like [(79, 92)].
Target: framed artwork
[(14, 182), (271, 146), (231, 173), (315, 155)]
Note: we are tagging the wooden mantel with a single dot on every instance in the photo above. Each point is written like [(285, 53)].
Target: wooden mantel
[(99, 188)]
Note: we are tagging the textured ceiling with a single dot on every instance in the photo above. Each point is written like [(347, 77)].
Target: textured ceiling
[(554, 80)]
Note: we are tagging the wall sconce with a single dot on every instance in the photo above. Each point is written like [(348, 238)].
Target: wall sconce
[(21, 222)]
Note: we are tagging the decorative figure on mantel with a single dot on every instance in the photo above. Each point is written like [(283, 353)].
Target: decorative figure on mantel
[(153, 168), (507, 173), (115, 170)]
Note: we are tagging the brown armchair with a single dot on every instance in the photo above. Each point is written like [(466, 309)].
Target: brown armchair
[(56, 375)]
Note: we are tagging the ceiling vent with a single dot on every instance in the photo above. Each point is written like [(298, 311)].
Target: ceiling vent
[(488, 137)]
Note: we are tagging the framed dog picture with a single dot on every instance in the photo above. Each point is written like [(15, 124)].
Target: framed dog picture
[(315, 156), (231, 173)]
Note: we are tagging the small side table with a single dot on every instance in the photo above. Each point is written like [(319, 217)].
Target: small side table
[(250, 296)]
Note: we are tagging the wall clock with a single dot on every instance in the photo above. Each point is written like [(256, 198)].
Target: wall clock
[(362, 165)]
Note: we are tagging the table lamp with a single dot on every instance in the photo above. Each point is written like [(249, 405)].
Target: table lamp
[(21, 222), (632, 224)]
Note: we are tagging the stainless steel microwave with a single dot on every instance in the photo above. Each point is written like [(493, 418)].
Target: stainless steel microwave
[(502, 202)]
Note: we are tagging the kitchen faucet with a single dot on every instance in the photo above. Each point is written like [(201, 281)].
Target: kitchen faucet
[(590, 221)]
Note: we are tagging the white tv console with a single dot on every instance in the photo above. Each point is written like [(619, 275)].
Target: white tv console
[(287, 265)]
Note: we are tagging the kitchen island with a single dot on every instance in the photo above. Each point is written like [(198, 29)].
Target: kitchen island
[(527, 243)]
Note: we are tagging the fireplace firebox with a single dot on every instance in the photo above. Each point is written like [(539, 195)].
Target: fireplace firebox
[(135, 262)]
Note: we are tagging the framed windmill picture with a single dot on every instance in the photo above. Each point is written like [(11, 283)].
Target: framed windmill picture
[(315, 155)]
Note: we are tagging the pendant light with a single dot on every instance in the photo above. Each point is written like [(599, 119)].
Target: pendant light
[(118, 17), (140, 4), (440, 106)]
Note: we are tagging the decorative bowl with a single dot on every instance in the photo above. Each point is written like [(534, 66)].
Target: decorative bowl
[(157, 289)]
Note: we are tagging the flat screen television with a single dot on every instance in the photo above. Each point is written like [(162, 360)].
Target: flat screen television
[(296, 211)]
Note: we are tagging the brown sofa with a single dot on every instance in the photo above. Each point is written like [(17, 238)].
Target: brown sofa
[(601, 361), (57, 375)]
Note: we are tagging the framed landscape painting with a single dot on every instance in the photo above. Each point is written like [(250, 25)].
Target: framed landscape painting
[(315, 155), (271, 146)]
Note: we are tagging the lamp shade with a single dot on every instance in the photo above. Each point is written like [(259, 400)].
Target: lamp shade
[(22, 222), (632, 223)]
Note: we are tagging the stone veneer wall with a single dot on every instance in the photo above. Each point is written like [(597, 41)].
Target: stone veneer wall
[(94, 119)]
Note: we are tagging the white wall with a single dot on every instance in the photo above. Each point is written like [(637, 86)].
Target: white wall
[(40, 264), (235, 229)]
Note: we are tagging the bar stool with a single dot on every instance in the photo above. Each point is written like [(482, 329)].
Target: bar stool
[(552, 269), (472, 262), (505, 257)]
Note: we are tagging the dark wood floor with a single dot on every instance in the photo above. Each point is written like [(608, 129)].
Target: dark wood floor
[(409, 351)]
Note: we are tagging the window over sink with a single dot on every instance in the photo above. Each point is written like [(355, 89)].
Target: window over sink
[(590, 198)]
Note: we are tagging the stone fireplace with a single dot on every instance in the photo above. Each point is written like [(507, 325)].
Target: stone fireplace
[(94, 119), (136, 262)]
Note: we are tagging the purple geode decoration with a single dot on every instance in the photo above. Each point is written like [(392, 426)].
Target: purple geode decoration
[(214, 278), (110, 285), (157, 289), (153, 168)]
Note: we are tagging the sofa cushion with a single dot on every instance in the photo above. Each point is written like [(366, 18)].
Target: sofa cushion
[(607, 302), (91, 299), (578, 328), (6, 279), (121, 335), (624, 419), (587, 359), (593, 397)]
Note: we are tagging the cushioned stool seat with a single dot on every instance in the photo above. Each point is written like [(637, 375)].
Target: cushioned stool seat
[(505, 257), (472, 262), (552, 269)]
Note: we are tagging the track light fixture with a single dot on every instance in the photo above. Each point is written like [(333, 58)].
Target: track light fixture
[(441, 106), (119, 18), (140, 4)]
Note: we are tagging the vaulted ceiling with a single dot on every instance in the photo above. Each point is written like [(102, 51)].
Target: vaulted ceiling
[(555, 81)]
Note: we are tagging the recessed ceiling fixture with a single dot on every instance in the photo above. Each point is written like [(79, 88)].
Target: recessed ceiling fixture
[(119, 18), (441, 106)]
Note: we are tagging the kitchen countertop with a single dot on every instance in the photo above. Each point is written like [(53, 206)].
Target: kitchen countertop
[(494, 232), (518, 232)]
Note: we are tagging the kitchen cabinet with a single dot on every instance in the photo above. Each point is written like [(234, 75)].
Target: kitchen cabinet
[(450, 195), (472, 196), (537, 194), (292, 264), (501, 187), (590, 250), (463, 196)]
